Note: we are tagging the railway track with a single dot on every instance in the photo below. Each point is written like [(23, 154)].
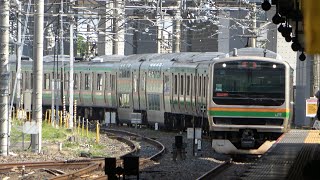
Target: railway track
[(88, 166), (213, 173)]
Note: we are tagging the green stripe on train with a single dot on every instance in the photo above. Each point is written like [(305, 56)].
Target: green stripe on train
[(249, 114)]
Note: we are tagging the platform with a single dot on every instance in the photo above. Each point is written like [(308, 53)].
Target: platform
[(296, 155)]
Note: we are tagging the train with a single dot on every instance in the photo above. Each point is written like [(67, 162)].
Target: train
[(242, 99)]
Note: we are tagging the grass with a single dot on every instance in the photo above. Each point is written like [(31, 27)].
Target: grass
[(54, 135)]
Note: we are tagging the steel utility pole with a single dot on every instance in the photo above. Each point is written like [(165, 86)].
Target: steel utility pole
[(36, 139), (71, 76), (316, 74), (159, 28), (18, 55), (115, 39), (253, 26), (4, 76), (177, 29), (62, 62)]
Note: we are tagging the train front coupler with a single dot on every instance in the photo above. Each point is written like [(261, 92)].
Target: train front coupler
[(247, 139)]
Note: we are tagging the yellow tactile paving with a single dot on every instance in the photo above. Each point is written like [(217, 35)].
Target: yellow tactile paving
[(313, 137)]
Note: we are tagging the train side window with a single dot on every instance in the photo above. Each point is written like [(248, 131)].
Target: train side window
[(135, 83), (53, 79), (106, 80), (166, 87), (87, 81), (22, 81), (81, 81), (204, 86), (13, 77), (143, 81), (58, 82), (195, 85), (46, 81), (200, 85), (31, 82), (113, 87), (188, 85), (66, 81), (181, 84), (175, 84), (99, 82), (75, 81)]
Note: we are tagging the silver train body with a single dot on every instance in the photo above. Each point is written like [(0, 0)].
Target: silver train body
[(244, 100)]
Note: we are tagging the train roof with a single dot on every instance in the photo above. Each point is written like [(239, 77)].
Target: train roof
[(13, 58), (51, 58), (177, 57), (260, 52), (108, 58)]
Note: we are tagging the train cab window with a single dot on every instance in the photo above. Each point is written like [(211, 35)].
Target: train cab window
[(76, 81), (87, 82), (181, 84), (188, 85), (99, 82), (175, 82), (46, 80)]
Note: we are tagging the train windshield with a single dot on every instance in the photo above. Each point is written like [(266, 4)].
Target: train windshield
[(249, 83)]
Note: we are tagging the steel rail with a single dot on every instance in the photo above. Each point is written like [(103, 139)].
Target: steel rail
[(215, 171)]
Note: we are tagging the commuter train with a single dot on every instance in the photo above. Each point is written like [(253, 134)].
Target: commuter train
[(242, 99)]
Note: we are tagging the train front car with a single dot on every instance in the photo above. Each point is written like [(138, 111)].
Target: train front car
[(250, 105)]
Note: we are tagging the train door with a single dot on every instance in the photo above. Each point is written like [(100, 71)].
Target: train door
[(98, 88), (87, 93)]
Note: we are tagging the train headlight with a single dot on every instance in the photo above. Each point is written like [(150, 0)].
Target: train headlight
[(274, 66), (224, 65)]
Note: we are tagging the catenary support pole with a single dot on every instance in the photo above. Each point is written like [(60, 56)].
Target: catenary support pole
[(71, 76), (115, 40), (38, 73), (177, 29), (253, 27), (18, 55), (4, 76)]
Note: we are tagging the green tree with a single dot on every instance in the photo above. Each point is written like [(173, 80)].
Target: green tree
[(81, 46)]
